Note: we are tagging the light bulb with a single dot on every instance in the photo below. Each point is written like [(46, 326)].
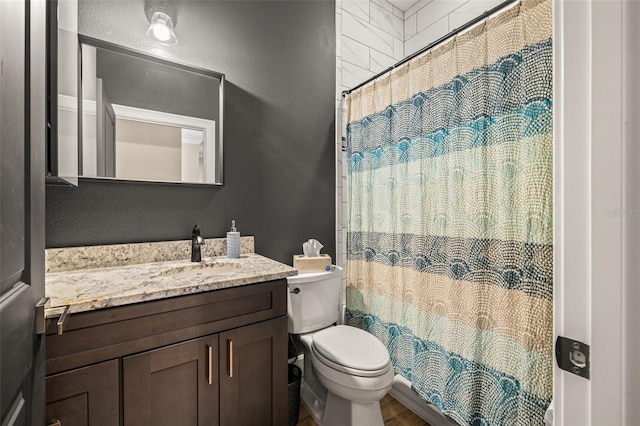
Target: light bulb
[(161, 29)]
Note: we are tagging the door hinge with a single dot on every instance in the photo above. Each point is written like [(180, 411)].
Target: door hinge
[(573, 356)]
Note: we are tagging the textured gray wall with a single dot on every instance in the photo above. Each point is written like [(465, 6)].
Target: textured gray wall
[(279, 60)]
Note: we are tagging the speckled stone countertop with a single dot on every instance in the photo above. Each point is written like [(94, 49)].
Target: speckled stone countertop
[(91, 289)]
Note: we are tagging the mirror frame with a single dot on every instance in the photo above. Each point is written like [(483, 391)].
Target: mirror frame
[(218, 149)]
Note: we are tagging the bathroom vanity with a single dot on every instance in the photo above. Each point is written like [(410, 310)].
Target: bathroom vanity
[(170, 343)]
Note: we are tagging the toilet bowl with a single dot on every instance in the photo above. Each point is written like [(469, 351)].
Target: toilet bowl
[(346, 370)]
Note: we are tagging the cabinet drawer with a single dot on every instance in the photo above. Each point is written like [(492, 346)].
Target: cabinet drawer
[(110, 333)]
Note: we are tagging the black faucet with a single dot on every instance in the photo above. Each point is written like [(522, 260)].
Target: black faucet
[(196, 242)]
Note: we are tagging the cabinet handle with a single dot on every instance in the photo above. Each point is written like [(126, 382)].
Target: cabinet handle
[(56, 423), (230, 357), (44, 315), (62, 321), (210, 377)]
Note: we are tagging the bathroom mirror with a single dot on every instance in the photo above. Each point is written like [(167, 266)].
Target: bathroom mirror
[(146, 118)]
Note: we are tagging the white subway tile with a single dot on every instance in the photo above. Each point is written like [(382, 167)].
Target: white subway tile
[(398, 12), (435, 10), (429, 35), (469, 11), (386, 21), (344, 128), (339, 245), (410, 26), (380, 61), (384, 4), (398, 49), (355, 52), (403, 5), (416, 7), (338, 118), (338, 36), (359, 8), (353, 75), (367, 34)]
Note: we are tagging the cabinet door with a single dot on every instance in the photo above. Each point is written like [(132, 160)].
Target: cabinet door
[(86, 396), (174, 385), (253, 374)]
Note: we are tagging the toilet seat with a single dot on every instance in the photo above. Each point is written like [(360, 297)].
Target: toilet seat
[(351, 351), (348, 370)]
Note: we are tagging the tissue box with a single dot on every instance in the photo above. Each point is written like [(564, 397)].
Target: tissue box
[(311, 264)]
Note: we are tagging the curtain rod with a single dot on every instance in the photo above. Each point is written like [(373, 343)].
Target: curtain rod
[(453, 33)]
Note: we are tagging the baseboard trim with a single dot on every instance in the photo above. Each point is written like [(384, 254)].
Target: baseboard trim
[(401, 391)]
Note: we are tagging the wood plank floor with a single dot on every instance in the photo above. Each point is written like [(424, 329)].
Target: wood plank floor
[(393, 414)]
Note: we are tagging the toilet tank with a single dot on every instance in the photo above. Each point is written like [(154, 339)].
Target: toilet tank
[(314, 300)]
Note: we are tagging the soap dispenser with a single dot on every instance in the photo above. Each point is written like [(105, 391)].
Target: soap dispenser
[(233, 242)]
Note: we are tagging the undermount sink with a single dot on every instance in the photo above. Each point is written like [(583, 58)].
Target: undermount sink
[(206, 267)]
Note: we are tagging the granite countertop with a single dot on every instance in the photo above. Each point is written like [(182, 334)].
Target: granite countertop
[(91, 289)]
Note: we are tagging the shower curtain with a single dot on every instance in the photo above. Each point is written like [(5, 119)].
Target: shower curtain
[(449, 244)]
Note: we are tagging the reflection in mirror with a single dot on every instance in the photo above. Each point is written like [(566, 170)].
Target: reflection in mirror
[(147, 119)]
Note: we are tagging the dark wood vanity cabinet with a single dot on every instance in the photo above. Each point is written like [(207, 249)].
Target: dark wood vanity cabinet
[(216, 358), (251, 374), (173, 385), (86, 395)]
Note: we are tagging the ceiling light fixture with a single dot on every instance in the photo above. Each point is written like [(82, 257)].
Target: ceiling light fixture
[(161, 28)]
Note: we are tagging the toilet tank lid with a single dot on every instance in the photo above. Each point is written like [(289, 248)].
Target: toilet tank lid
[(351, 347), (335, 272)]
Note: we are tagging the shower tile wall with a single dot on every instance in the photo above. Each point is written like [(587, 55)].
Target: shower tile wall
[(428, 20)]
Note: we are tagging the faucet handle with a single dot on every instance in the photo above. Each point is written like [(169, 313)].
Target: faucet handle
[(195, 232)]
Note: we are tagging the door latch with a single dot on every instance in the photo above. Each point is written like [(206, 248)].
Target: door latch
[(573, 356)]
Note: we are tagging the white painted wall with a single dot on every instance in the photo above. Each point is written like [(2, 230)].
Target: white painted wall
[(597, 220), (631, 205), (148, 151)]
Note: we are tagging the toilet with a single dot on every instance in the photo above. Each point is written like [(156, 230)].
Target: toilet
[(347, 371)]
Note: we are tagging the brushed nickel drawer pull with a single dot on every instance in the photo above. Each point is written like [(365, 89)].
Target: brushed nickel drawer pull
[(63, 320), (210, 377), (230, 358), (56, 423), (62, 312)]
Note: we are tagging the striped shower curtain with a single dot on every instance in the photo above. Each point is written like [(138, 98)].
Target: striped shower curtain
[(450, 219)]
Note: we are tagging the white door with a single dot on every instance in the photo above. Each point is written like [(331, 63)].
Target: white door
[(597, 207)]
